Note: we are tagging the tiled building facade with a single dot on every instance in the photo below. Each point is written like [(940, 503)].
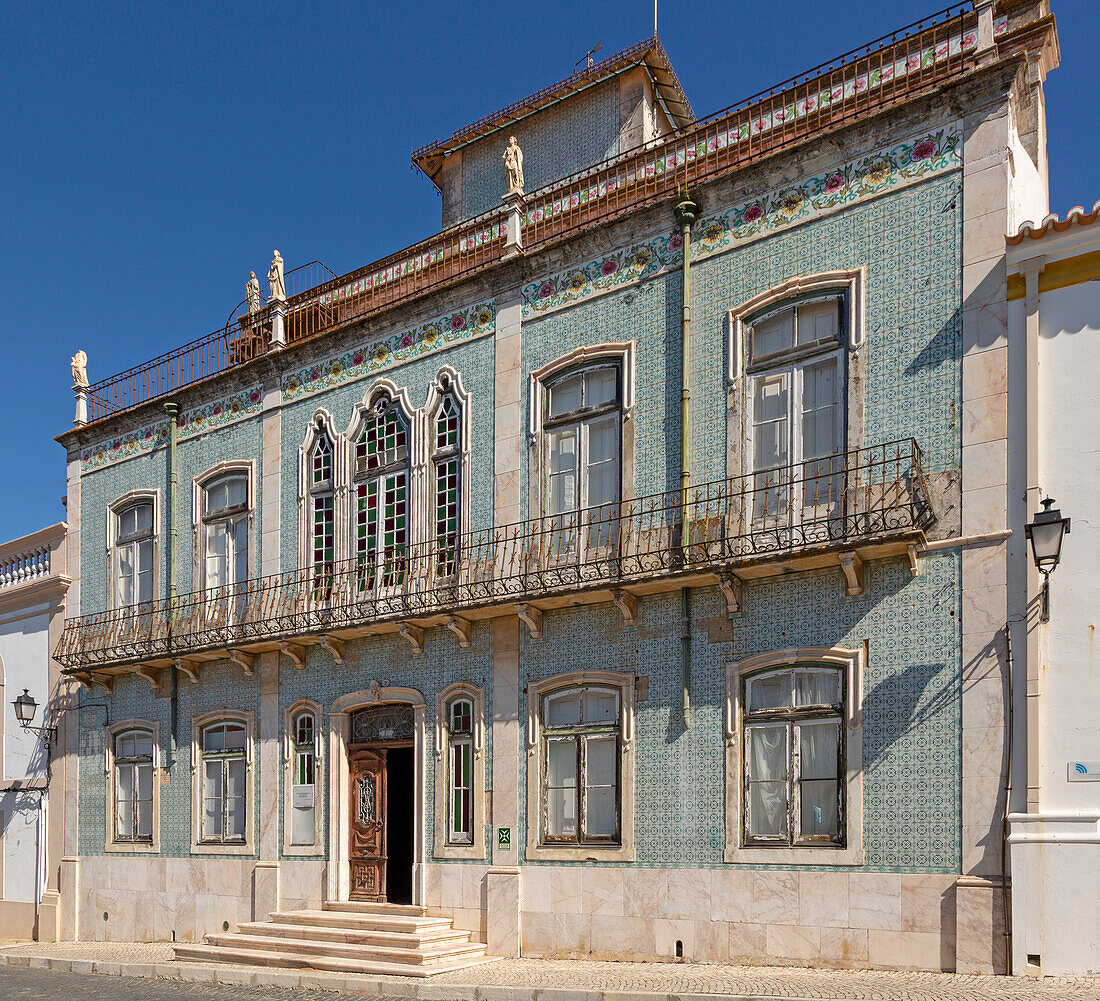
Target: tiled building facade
[(631, 832)]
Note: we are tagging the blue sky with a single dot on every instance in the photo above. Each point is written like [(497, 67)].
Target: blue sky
[(154, 153)]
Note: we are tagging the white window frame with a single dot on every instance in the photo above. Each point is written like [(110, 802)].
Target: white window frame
[(131, 847), (447, 383), (320, 425), (537, 848), (198, 725), (852, 665), (385, 394), (290, 753), (443, 847), (850, 285), (114, 510), (200, 523)]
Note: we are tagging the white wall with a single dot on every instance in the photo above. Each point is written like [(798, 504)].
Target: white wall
[(1055, 853), (1069, 471), (24, 653), (24, 650)]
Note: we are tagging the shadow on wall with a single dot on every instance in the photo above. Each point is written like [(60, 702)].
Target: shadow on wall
[(897, 701), (941, 346)]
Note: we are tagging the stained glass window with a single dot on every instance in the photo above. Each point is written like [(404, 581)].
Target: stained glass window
[(447, 484), (382, 497)]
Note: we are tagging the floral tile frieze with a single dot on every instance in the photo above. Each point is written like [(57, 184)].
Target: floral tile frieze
[(189, 424), (374, 356), (872, 174)]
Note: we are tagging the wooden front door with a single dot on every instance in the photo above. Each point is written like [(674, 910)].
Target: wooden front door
[(367, 850)]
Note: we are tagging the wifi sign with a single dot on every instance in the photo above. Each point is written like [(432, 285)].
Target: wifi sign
[(1084, 771)]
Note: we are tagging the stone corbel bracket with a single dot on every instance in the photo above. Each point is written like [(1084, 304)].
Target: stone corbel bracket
[(246, 660), (461, 628), (150, 674), (730, 586), (415, 636), (295, 653), (852, 566), (914, 560), (336, 647), (532, 618), (89, 678), (626, 603), (189, 668)]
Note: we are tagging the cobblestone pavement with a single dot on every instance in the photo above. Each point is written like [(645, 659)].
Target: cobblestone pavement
[(527, 979), (21, 984)]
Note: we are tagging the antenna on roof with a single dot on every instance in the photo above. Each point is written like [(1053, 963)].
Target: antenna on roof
[(654, 18), (589, 54)]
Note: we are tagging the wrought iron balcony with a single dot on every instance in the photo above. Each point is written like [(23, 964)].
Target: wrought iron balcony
[(834, 511)]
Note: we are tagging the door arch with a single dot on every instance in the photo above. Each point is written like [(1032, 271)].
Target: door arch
[(338, 876)]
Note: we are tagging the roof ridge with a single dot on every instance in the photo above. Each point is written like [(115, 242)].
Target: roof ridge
[(1075, 216)]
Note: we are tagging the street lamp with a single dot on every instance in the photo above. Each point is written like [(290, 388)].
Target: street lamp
[(1046, 532), (24, 708)]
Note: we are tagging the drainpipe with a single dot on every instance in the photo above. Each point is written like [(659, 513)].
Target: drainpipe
[(687, 211), (172, 410)]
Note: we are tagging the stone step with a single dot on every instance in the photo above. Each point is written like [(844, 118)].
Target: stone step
[(310, 950), (371, 907), (360, 936), (408, 923), (261, 957)]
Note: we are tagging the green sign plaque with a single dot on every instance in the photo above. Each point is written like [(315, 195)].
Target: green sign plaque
[(504, 838)]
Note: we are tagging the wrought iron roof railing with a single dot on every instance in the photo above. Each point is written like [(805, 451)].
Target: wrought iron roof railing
[(849, 501), (895, 68)]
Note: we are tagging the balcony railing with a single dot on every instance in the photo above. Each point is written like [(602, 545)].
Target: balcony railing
[(850, 501), (887, 71)]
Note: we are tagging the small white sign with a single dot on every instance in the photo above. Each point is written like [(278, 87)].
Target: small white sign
[(1084, 771), (301, 797)]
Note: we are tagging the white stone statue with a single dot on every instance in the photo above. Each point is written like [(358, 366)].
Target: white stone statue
[(252, 292), (275, 279), (513, 164), (80, 369)]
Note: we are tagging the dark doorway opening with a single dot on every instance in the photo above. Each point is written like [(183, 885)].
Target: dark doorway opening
[(399, 824)]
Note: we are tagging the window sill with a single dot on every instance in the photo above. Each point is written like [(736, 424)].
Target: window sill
[(138, 848), (303, 851), (580, 853), (200, 849), (474, 852), (823, 856)]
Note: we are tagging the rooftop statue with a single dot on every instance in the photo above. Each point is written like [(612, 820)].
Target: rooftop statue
[(513, 164), (252, 292), (275, 279), (80, 369)]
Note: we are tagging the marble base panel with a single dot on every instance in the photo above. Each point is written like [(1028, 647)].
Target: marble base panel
[(832, 919), (156, 900)]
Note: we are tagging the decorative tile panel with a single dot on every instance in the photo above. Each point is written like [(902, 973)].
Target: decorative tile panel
[(189, 424), (376, 356), (872, 174)]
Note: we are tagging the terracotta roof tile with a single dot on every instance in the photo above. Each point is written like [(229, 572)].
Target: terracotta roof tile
[(1076, 216)]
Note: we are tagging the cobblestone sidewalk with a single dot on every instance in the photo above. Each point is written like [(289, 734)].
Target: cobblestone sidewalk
[(564, 980)]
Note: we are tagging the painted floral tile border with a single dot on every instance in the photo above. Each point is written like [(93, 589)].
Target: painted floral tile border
[(189, 424), (455, 327), (903, 163)]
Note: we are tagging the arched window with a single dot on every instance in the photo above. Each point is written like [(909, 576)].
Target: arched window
[(794, 775), (135, 534), (133, 787), (580, 753), (322, 504), (303, 788), (582, 433), (225, 530), (447, 461), (381, 528), (224, 771), (460, 774)]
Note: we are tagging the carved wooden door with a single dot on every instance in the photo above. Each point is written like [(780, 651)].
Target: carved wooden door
[(367, 850)]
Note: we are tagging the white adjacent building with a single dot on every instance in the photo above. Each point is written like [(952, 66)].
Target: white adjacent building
[(33, 586), (1053, 293)]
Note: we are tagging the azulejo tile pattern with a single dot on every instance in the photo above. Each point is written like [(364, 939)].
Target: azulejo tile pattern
[(911, 706), (846, 184), (190, 423), (374, 356)]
